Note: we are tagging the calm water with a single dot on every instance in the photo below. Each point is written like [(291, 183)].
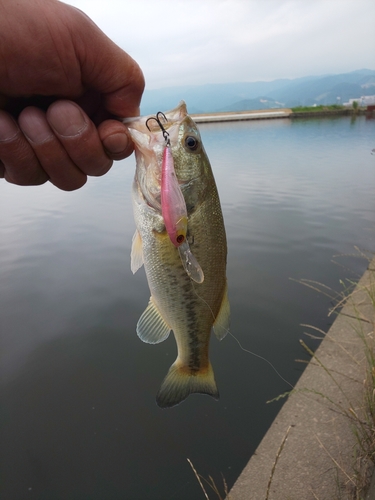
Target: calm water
[(78, 417)]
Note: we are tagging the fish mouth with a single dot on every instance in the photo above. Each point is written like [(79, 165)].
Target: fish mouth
[(152, 135)]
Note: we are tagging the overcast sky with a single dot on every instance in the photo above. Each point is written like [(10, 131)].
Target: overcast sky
[(179, 42)]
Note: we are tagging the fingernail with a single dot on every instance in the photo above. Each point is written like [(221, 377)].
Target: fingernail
[(8, 128), (66, 118), (35, 129), (116, 143)]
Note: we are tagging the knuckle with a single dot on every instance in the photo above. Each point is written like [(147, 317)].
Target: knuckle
[(89, 156)]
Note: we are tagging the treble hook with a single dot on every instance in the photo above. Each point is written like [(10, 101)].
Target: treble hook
[(157, 119)]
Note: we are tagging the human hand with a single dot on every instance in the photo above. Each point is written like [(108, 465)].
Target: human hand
[(62, 83)]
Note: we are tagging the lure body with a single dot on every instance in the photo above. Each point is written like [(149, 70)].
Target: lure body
[(174, 212), (173, 206)]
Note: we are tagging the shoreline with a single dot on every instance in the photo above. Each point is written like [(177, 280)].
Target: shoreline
[(309, 451), (266, 114)]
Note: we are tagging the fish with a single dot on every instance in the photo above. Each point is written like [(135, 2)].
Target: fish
[(187, 281)]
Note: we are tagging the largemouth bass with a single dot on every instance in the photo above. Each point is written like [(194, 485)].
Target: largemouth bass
[(188, 303)]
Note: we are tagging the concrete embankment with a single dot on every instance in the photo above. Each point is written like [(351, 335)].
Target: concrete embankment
[(242, 115), (264, 114), (310, 451)]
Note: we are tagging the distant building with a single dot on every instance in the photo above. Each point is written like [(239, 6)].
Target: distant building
[(365, 100)]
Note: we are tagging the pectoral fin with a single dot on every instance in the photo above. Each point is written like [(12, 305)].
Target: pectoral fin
[(151, 327), (136, 256), (221, 324)]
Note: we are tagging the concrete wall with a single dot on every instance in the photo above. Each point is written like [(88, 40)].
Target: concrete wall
[(310, 450)]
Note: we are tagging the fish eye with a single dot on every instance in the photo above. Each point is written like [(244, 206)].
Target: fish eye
[(191, 143)]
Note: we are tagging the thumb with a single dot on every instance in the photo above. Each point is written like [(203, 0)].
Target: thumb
[(108, 69)]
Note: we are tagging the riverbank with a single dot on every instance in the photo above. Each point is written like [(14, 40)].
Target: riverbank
[(265, 114), (312, 450)]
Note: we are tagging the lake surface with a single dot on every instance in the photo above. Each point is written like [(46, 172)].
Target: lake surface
[(78, 412)]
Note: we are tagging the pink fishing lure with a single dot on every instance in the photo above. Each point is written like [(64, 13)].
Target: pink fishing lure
[(173, 206), (174, 212)]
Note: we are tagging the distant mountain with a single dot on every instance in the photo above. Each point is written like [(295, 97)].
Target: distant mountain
[(210, 97), (327, 89), (251, 104), (306, 91)]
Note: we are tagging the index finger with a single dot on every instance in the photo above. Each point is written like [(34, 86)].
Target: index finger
[(108, 69)]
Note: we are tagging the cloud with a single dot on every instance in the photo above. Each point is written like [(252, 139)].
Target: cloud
[(213, 41)]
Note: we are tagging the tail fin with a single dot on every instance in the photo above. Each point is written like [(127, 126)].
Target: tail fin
[(180, 382)]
